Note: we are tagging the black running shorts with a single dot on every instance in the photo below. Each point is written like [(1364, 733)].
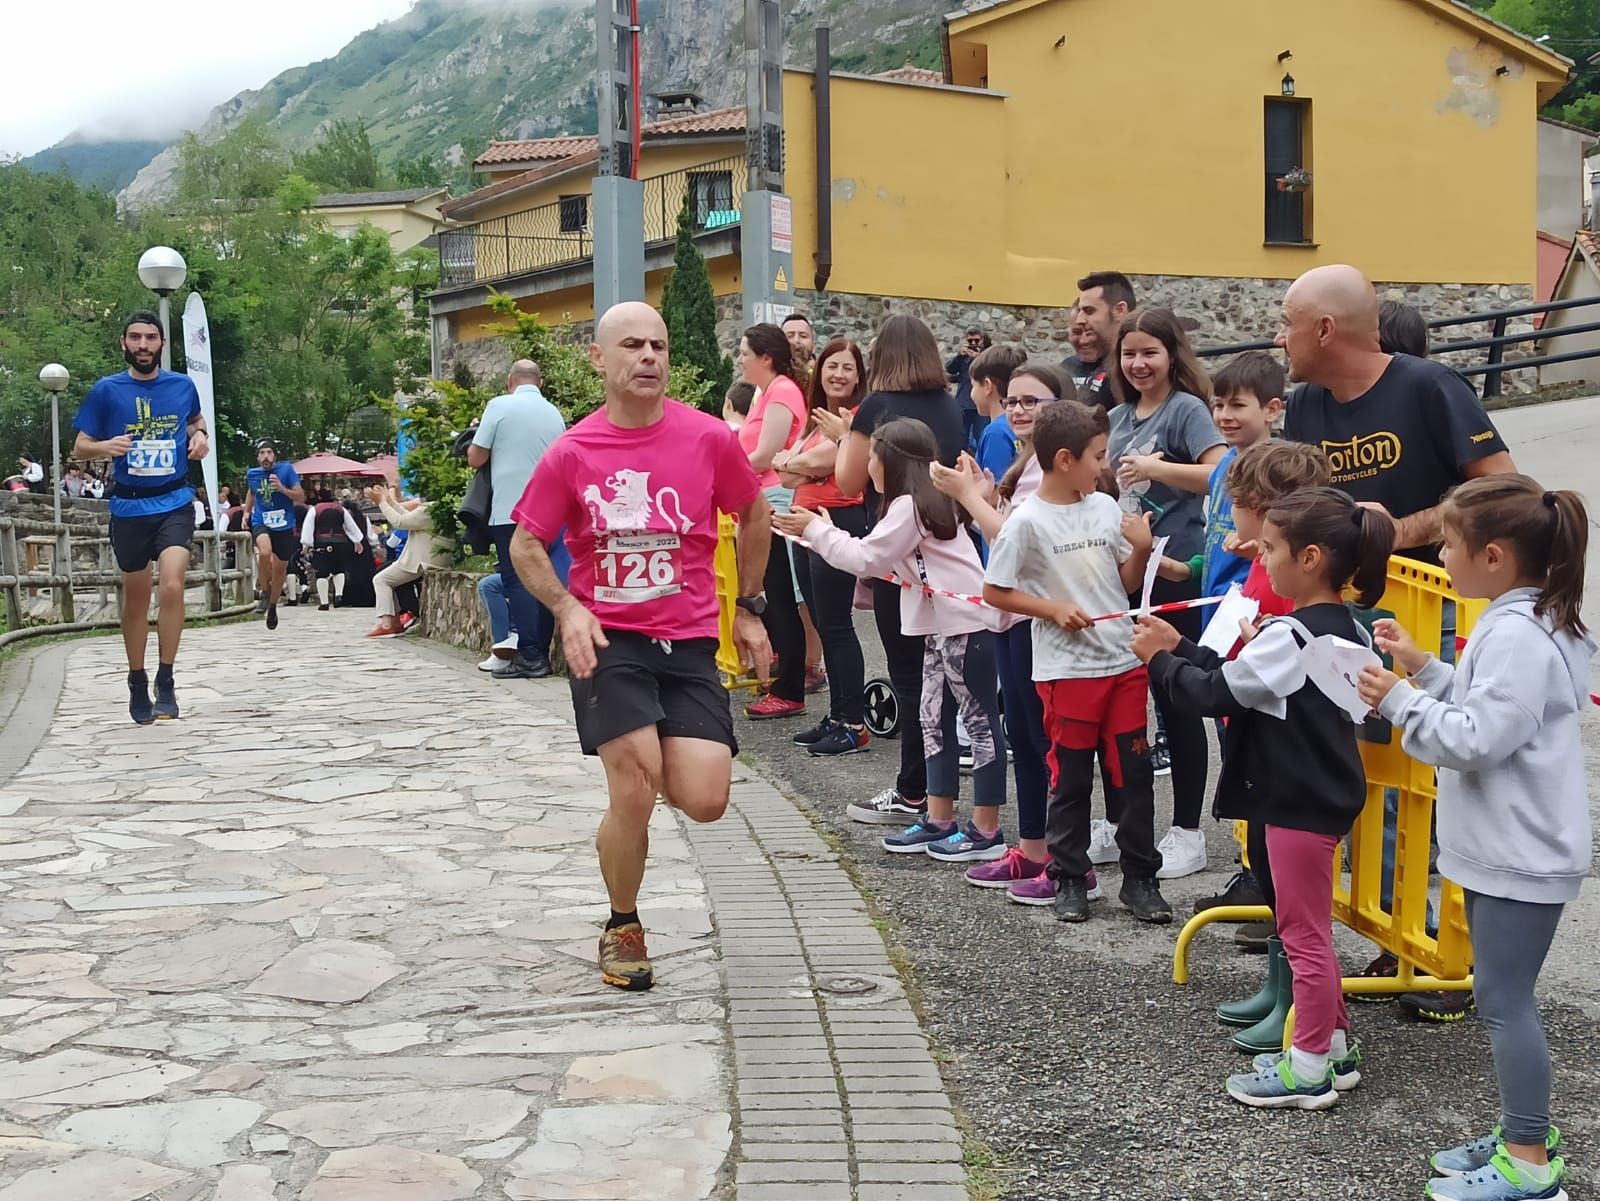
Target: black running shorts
[(138, 541), (639, 682), (285, 546)]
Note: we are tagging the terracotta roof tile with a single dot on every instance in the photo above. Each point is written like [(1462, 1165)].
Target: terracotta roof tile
[(464, 206), (1590, 241), (724, 120), (911, 73)]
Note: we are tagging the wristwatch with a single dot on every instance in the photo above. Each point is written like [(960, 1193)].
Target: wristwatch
[(756, 604)]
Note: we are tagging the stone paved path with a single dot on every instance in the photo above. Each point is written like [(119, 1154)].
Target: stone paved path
[(331, 936)]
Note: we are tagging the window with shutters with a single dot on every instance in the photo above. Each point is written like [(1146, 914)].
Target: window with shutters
[(574, 214)]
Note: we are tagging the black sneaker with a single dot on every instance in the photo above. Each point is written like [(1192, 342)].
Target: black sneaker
[(272, 617), (1072, 900), (322, 608), (842, 740), (815, 734), (166, 706), (1243, 889), (1161, 758), (1384, 965), (1252, 936), (1143, 898), (139, 707), (1449, 1006), (524, 668)]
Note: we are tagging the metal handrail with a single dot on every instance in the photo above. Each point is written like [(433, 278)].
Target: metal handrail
[(558, 234)]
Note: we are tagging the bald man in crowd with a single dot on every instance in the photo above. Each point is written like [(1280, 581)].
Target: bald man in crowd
[(515, 431), (1399, 431)]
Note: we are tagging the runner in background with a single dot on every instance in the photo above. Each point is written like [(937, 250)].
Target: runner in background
[(272, 489)]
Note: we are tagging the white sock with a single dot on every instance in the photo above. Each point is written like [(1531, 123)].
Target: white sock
[(322, 589), (1340, 1046), (338, 585), (1308, 1068)]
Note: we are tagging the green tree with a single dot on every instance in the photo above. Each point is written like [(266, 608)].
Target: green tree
[(419, 172), (431, 421), (690, 309), (343, 160)]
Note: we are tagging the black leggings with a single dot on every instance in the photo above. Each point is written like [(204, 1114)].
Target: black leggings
[(829, 594), (784, 628), (904, 652), (1186, 731)]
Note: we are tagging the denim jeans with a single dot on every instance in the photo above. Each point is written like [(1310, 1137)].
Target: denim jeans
[(492, 594), (535, 625), (1391, 796)]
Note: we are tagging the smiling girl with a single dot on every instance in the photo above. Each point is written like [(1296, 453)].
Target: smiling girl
[(1163, 447)]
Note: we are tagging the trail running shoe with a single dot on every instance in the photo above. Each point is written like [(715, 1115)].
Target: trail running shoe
[(166, 706), (816, 680), (888, 808), (1143, 898), (1011, 868), (769, 707), (1103, 847), (916, 839), (1072, 900), (841, 740), (1500, 1180), (1279, 1088), (969, 845), (624, 962), (1450, 1005), (815, 734), (1346, 1069), (1384, 965), (1475, 1156), (1243, 889), (139, 707)]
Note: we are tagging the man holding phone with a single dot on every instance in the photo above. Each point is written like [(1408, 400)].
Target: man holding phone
[(958, 372)]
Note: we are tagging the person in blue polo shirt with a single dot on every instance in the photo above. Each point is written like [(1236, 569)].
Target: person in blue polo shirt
[(272, 490), (148, 423)]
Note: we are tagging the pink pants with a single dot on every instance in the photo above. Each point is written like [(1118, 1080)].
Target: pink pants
[(1302, 875)]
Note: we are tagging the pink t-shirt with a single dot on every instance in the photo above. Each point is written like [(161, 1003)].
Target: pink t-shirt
[(640, 510), (781, 391)]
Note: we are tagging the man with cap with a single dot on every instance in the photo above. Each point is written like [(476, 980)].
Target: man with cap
[(272, 490), (148, 423)]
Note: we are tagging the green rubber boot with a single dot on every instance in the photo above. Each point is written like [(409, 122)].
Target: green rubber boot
[(1267, 1034), (1252, 1009)]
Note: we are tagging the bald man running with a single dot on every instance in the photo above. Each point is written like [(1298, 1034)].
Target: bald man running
[(637, 486), (1399, 431)]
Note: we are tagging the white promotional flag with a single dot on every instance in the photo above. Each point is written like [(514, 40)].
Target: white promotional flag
[(197, 352)]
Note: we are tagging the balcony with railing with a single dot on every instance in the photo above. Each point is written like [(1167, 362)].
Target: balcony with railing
[(559, 234)]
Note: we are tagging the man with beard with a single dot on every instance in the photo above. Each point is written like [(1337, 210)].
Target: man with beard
[(148, 423), (1104, 299), (272, 490)]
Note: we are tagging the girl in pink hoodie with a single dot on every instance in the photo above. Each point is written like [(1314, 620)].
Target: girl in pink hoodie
[(919, 539)]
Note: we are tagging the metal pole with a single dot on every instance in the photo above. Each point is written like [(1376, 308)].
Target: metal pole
[(166, 333), (55, 453)]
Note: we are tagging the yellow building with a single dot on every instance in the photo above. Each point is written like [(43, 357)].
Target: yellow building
[(410, 217), (1064, 136)]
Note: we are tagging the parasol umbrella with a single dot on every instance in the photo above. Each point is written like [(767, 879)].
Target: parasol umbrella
[(327, 463), (387, 466)]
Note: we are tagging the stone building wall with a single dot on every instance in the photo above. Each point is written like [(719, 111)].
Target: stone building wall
[(451, 613), (1217, 312)]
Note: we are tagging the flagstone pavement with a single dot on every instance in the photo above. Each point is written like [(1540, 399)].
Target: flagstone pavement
[(330, 937)]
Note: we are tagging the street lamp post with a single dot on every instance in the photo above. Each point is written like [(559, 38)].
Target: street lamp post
[(162, 270), (54, 379)]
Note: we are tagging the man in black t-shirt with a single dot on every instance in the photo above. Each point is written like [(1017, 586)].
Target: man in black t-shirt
[(1399, 431), (1104, 299)]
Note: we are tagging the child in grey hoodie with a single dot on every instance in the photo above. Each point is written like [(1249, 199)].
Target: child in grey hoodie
[(1513, 812)]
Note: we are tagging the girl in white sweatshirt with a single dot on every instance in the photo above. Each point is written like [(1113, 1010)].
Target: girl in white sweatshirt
[(919, 538), (1513, 809)]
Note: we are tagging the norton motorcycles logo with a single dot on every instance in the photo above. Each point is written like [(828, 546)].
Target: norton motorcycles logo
[(1364, 457)]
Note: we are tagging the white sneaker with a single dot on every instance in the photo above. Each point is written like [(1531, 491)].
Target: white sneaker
[(489, 664), (1183, 853), (1103, 842), (506, 648)]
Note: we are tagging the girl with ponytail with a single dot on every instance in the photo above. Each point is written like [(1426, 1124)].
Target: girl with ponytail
[(1513, 810)]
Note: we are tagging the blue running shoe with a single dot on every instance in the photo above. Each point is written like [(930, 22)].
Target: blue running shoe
[(915, 840), (1280, 1088), (1500, 1180), (970, 845), (1346, 1070), (1475, 1156)]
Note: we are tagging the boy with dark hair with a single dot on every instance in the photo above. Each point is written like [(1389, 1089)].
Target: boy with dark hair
[(990, 374)]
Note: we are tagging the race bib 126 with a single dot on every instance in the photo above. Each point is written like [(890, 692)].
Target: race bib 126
[(153, 456), (632, 568)]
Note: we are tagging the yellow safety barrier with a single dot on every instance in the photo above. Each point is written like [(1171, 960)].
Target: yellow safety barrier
[(727, 567), (1415, 597)]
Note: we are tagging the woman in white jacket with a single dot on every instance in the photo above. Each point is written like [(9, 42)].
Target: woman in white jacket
[(423, 549)]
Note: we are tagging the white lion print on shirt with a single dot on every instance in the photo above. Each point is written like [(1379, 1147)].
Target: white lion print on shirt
[(630, 505), (633, 563)]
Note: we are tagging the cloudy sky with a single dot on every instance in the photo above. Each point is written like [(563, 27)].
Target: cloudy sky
[(123, 68)]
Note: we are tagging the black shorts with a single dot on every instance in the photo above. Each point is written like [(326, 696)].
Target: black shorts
[(328, 559), (138, 541), (285, 546), (638, 682)]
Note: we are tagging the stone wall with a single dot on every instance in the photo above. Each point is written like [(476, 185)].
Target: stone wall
[(1217, 312), (451, 612)]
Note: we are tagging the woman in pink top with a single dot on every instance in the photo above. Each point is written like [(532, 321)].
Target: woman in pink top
[(919, 538), (775, 423)]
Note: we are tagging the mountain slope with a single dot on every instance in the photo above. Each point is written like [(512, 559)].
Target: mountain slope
[(109, 166), (451, 75)]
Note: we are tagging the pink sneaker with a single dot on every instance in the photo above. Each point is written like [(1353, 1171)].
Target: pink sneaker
[(771, 706), (1041, 889), (1013, 867)]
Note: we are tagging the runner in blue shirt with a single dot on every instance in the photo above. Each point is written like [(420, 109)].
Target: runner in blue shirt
[(271, 492), (148, 423)]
